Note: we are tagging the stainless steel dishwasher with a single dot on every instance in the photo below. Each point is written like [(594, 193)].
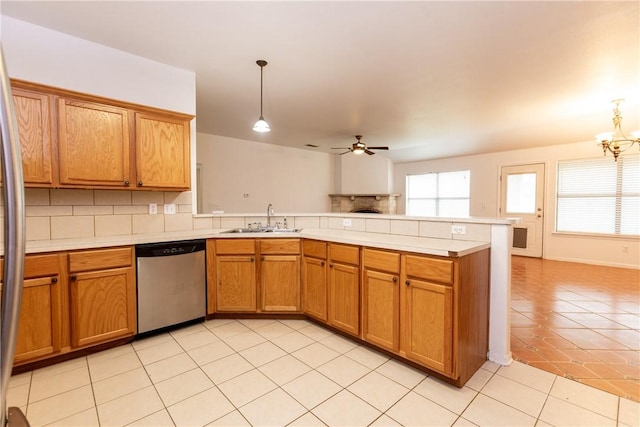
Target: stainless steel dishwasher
[(171, 283)]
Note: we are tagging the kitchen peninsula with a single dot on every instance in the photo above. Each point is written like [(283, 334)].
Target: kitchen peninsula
[(407, 242)]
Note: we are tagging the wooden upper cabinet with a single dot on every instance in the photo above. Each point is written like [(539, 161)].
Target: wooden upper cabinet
[(75, 140), (93, 142), (33, 116), (162, 152)]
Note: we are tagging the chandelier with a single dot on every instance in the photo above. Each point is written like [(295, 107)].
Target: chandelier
[(616, 142)]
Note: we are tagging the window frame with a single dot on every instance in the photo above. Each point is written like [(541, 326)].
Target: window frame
[(437, 197)]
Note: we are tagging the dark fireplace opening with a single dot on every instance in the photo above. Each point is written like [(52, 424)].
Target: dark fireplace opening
[(366, 210)]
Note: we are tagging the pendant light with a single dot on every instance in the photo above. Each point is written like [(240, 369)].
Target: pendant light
[(261, 125)]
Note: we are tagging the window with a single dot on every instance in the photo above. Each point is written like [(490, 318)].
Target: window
[(599, 196), (438, 194)]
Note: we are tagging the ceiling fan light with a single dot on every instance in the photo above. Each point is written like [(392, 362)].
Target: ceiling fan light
[(261, 125), (358, 150), (636, 134)]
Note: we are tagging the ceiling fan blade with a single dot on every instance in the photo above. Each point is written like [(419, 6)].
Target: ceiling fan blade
[(378, 148), (340, 148), (369, 152), (345, 152)]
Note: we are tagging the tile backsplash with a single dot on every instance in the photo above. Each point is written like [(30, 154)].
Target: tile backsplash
[(53, 214), (68, 213)]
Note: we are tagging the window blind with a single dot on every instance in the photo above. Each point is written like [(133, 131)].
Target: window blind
[(599, 196)]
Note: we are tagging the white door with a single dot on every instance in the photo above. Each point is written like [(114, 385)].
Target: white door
[(522, 196)]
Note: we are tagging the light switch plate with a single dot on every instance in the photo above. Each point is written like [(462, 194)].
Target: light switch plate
[(170, 209), (153, 208), (458, 229), (346, 222)]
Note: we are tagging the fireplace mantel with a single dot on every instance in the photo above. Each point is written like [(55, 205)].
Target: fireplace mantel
[(382, 203)]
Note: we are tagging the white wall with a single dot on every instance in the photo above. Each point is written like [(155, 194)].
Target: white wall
[(364, 174), (485, 200), (40, 55), (292, 179), (48, 57)]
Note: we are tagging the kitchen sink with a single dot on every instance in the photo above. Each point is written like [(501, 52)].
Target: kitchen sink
[(262, 230)]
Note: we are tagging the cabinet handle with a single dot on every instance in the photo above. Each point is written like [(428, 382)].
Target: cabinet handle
[(54, 280), (126, 183), (139, 183), (74, 277), (330, 265), (261, 257), (407, 282), (395, 279), (252, 259), (322, 263)]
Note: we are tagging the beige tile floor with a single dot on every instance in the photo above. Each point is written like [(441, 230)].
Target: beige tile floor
[(293, 372)]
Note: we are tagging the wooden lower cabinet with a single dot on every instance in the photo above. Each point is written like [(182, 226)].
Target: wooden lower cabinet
[(314, 279), (103, 295), (280, 279), (429, 324), (40, 325), (381, 298), (344, 288), (234, 274), (279, 275), (380, 302), (236, 283), (253, 276)]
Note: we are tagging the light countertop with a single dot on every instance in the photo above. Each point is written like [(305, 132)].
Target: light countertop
[(423, 245)]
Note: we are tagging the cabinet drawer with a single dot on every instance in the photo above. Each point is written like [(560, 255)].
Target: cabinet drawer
[(344, 253), (235, 246), (280, 246), (314, 248), (439, 270), (382, 260), (37, 266), (100, 259)]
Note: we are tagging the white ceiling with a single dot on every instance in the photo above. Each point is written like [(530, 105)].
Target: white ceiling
[(428, 79)]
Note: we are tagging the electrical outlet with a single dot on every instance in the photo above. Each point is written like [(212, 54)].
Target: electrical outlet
[(245, 195), (346, 222), (458, 229), (170, 209), (153, 208)]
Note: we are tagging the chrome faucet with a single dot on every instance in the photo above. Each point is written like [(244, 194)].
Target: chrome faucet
[(269, 214)]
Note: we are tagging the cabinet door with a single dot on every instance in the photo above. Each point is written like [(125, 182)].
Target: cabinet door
[(103, 306), (39, 328), (162, 152), (344, 292), (235, 283), (34, 128), (314, 288), (93, 144), (280, 279), (428, 324), (381, 305)]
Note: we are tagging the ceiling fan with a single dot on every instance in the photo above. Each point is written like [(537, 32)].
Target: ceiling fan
[(359, 147)]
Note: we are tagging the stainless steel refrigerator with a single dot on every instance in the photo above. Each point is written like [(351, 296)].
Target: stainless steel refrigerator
[(14, 245)]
